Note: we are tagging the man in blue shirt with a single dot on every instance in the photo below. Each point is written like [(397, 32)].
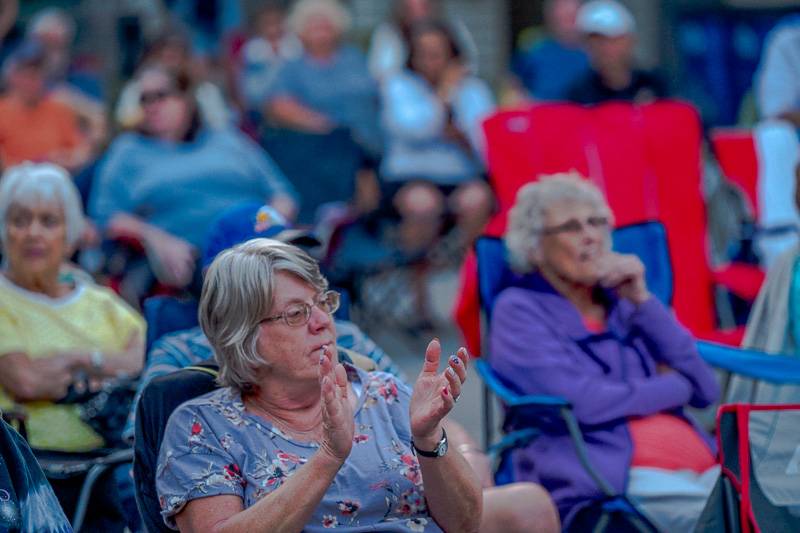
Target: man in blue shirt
[(551, 65)]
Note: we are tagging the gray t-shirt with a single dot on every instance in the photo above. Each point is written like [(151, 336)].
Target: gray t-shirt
[(340, 88), (180, 188), (212, 446)]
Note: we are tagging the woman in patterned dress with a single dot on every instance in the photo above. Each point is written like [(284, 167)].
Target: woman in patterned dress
[(297, 440)]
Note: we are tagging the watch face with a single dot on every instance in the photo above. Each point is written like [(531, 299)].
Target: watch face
[(438, 451), (441, 449)]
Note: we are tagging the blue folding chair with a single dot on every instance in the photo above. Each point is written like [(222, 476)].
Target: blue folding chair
[(166, 314), (322, 168), (527, 417)]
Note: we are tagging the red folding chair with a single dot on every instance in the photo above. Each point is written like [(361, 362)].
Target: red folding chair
[(758, 490), (646, 159), (735, 151)]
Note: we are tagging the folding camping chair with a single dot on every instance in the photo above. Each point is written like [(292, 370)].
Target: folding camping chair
[(630, 153), (529, 416), (758, 489), (322, 168), (165, 314)]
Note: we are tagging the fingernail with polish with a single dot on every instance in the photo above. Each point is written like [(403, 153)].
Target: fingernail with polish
[(455, 360)]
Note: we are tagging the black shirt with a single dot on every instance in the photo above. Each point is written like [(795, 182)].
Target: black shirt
[(644, 87), (159, 399)]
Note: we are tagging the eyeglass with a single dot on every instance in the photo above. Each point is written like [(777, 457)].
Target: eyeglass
[(299, 313), (574, 225), (151, 97)]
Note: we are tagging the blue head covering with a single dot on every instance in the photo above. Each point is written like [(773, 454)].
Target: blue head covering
[(249, 221)]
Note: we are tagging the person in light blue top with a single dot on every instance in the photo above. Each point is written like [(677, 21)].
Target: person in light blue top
[(329, 86), (777, 82), (432, 113), (295, 440), (164, 184)]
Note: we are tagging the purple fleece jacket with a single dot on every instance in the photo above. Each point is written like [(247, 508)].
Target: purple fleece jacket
[(539, 345)]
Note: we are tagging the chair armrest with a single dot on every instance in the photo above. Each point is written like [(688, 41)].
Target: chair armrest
[(751, 363), (511, 398), (525, 411), (515, 439), (741, 279), (124, 455)]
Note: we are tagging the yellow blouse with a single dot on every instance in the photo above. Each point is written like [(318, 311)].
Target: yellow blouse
[(89, 318)]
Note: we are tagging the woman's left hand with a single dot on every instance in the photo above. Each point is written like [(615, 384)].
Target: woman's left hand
[(435, 394)]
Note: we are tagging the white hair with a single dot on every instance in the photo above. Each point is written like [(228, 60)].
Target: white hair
[(238, 292), (331, 9), (51, 17), (526, 218), (29, 183)]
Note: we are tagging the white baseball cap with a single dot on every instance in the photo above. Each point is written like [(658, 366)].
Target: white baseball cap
[(605, 17)]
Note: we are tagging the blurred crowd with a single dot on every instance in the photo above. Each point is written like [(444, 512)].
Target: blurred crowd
[(395, 132), (320, 130), (375, 157)]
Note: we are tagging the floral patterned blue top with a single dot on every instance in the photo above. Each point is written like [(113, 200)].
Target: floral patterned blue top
[(213, 446)]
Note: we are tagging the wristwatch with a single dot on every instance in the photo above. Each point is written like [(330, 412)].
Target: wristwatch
[(439, 451)]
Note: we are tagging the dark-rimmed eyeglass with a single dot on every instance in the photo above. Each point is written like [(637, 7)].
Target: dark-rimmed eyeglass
[(299, 313), (151, 97), (574, 225)]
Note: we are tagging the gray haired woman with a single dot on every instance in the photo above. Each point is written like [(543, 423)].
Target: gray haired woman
[(51, 328), (586, 328), (297, 440)]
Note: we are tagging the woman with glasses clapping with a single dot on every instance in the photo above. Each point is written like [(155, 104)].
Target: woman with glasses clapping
[(586, 328), (296, 439)]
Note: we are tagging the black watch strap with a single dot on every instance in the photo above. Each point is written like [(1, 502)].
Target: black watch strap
[(439, 451)]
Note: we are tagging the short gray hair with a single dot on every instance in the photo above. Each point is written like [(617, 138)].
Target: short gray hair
[(28, 183), (526, 218), (305, 9), (49, 17), (238, 292)]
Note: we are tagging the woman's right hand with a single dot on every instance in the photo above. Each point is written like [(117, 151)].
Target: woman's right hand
[(625, 274), (171, 258), (338, 424)]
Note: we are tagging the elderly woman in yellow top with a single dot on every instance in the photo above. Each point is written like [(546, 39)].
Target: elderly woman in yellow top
[(50, 329)]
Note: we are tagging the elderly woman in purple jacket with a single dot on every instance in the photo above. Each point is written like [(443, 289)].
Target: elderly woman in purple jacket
[(587, 329)]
